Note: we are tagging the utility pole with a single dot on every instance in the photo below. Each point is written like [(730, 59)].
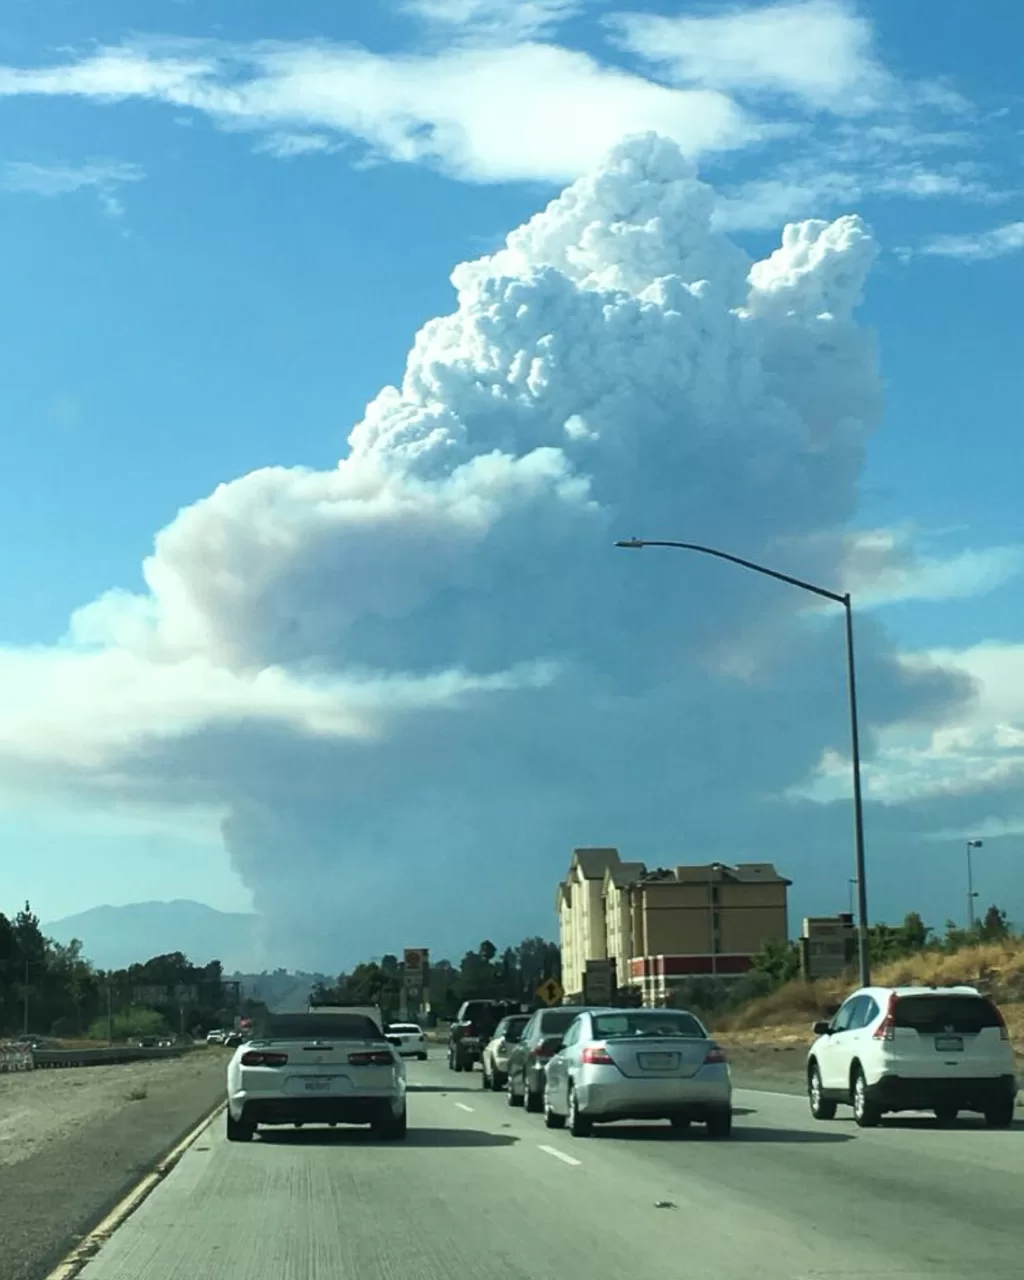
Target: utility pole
[(971, 895), (25, 998), (110, 1015)]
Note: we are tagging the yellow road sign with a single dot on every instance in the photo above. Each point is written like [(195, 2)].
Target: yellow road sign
[(550, 991)]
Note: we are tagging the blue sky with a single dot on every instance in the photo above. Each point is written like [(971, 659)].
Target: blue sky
[(223, 231)]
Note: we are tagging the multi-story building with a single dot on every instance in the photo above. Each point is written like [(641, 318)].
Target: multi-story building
[(664, 927)]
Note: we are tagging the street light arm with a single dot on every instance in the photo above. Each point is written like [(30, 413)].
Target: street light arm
[(637, 543)]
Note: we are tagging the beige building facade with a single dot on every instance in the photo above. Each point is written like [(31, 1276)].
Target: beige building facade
[(667, 926)]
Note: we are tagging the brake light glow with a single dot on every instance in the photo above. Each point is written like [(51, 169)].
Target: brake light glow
[(716, 1054), (596, 1055), (371, 1058), (886, 1029), (544, 1050), (261, 1058)]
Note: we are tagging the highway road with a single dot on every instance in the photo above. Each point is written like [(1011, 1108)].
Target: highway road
[(480, 1189)]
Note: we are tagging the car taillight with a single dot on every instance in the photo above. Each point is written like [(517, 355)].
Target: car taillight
[(371, 1058), (1003, 1032), (886, 1029), (597, 1056), (716, 1054), (544, 1050), (257, 1058)]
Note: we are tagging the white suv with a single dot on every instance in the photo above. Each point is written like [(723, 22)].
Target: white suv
[(941, 1049)]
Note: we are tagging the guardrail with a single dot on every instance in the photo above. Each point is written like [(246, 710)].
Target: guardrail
[(49, 1059), (14, 1058)]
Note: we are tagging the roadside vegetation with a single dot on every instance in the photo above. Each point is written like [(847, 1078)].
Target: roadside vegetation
[(53, 991)]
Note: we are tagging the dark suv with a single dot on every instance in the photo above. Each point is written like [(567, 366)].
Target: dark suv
[(473, 1027)]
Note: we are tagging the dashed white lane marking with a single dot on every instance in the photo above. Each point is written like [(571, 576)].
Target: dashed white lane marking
[(559, 1155), (462, 1106)]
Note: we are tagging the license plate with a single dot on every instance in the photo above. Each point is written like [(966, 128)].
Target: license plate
[(318, 1084), (949, 1044), (654, 1060)]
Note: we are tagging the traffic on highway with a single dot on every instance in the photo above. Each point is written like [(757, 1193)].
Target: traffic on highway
[(477, 1185)]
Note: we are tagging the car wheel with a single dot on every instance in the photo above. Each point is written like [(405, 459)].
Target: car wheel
[(946, 1116), (551, 1118), (580, 1125), (239, 1130), (822, 1108), (1001, 1115), (719, 1124), (498, 1080), (511, 1097), (534, 1100), (389, 1127), (422, 1056), (485, 1079), (456, 1062), (865, 1112)]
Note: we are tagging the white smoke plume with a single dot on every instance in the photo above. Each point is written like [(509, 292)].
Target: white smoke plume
[(412, 683)]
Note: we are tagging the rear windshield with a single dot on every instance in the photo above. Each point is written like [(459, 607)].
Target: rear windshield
[(930, 1014), (556, 1022), (514, 1026), (607, 1026), (320, 1026)]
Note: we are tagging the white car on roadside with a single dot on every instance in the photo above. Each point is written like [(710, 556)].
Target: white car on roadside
[(409, 1039), (941, 1049), (316, 1068)]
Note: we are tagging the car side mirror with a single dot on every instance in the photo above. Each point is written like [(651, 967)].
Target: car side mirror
[(822, 1028)]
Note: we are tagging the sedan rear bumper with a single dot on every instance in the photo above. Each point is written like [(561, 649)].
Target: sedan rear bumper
[(339, 1109), (605, 1094)]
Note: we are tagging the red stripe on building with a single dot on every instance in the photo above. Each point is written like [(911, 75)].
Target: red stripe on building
[(688, 966)]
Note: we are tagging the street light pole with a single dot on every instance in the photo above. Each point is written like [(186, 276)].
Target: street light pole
[(971, 895), (863, 946)]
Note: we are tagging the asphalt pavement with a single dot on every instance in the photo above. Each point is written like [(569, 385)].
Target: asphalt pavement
[(480, 1188)]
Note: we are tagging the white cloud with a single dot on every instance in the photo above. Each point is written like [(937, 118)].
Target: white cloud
[(818, 51), (286, 146), (981, 246), (884, 566), (429, 662), (102, 177), (461, 109), (502, 20)]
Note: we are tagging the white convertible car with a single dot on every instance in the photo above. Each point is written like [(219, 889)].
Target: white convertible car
[(317, 1068)]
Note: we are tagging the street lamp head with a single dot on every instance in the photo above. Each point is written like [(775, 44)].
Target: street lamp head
[(631, 544), (975, 844)]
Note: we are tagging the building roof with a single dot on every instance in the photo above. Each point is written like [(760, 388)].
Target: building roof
[(594, 862), (625, 873), (742, 873)]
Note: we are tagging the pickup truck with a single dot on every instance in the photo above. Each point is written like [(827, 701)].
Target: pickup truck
[(473, 1027)]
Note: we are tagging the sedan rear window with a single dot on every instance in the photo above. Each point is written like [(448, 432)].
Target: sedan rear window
[(609, 1026), (557, 1021), (933, 1014), (320, 1026)]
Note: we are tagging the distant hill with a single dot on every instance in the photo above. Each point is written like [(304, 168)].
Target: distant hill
[(114, 937), (280, 991)]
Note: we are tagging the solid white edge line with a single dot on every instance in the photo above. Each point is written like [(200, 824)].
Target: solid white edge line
[(559, 1155), (462, 1107)]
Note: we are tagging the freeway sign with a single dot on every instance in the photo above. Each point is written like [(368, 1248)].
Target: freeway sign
[(550, 991)]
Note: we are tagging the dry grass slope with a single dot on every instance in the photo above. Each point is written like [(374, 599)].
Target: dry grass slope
[(996, 968)]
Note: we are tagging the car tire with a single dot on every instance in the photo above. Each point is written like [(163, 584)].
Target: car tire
[(580, 1125), (551, 1118), (867, 1114), (485, 1079), (822, 1108), (239, 1130), (389, 1127), (946, 1116), (498, 1080), (1000, 1116), (511, 1097), (533, 1099), (719, 1124), (422, 1056)]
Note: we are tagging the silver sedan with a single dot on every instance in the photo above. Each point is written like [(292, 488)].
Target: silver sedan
[(638, 1064)]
